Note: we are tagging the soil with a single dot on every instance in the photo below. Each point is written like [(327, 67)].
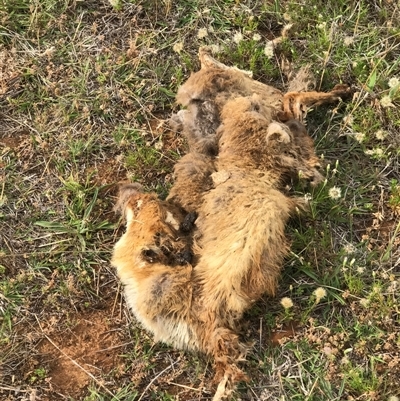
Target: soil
[(92, 345), (107, 172), (74, 350), (287, 331), (15, 140)]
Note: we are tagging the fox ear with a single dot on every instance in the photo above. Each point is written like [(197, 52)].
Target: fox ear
[(278, 132), (126, 191)]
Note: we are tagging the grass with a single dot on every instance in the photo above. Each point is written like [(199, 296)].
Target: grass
[(84, 90)]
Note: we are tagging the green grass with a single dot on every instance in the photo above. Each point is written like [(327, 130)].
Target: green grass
[(84, 87)]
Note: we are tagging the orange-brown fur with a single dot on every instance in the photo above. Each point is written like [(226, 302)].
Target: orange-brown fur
[(244, 145), (205, 93), (241, 260), (239, 240), (193, 173)]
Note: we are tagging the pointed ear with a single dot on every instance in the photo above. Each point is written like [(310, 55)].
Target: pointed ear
[(126, 191), (207, 61), (278, 132)]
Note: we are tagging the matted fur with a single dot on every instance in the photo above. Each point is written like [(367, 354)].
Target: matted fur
[(190, 287), (206, 91), (239, 238)]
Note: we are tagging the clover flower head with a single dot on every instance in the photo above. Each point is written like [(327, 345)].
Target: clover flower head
[(359, 136), (178, 47), (348, 40), (393, 82), (386, 101), (269, 50), (202, 33), (319, 294), (335, 193), (237, 37), (286, 302), (380, 135)]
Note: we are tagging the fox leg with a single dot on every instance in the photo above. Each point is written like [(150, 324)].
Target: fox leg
[(295, 104), (224, 346)]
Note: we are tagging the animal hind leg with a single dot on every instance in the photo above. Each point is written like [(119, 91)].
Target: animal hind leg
[(295, 104), (224, 346)]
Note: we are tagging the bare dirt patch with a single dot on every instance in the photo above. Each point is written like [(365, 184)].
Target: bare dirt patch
[(108, 172), (9, 72), (15, 140), (90, 348), (287, 331)]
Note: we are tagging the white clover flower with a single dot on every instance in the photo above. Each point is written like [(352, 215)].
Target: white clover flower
[(335, 193), (393, 82), (349, 248), (178, 47), (286, 302), (376, 289), (237, 37), (287, 17), (269, 50), (393, 286), (364, 302), (380, 135), (307, 197), (319, 294), (202, 33), (215, 49), (348, 120), (386, 101), (348, 40), (375, 152), (256, 37), (359, 136), (115, 3), (345, 360)]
